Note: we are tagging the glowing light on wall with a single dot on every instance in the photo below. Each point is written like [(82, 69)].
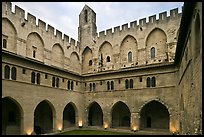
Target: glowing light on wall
[(105, 125), (29, 132), (135, 128), (59, 127), (80, 123)]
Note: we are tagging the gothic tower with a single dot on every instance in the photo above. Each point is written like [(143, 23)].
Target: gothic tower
[(87, 27)]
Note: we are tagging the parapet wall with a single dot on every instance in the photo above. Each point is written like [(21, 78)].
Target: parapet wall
[(48, 33), (163, 18)]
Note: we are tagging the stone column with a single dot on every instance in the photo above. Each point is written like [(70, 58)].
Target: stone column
[(27, 123), (135, 121), (106, 120)]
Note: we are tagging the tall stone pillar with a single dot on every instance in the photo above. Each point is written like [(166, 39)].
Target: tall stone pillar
[(135, 121)]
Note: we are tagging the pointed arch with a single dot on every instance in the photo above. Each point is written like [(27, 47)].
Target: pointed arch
[(154, 114), (69, 115), (9, 32), (120, 113), (44, 117), (75, 61), (105, 54), (35, 46), (57, 55), (128, 49), (12, 116), (157, 38), (95, 114), (87, 59)]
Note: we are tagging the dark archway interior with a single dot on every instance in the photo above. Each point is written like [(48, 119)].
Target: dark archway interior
[(154, 115), (95, 116), (43, 118), (68, 116), (11, 117), (120, 115)]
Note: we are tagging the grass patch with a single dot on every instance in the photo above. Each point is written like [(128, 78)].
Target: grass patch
[(93, 132)]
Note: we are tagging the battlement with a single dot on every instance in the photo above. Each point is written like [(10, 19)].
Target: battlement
[(142, 23), (39, 24)]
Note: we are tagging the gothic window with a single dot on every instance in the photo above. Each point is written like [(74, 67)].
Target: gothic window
[(108, 85), (112, 85), (94, 86), (90, 62), (13, 73), (33, 77), (148, 82), (6, 72), (53, 81), (38, 78), (57, 82), (72, 85), (153, 81), (108, 59), (90, 85), (68, 85), (86, 15), (45, 76), (130, 56), (131, 83), (126, 84), (4, 43), (152, 53)]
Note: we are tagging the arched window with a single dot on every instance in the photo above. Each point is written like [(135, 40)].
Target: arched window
[(68, 85), (57, 82), (131, 83), (4, 43), (90, 62), (90, 86), (38, 78), (13, 73), (130, 56), (153, 82), (94, 86), (72, 85), (53, 81), (108, 59), (152, 53), (148, 82), (126, 84), (6, 72), (86, 15), (112, 85), (108, 85), (34, 52), (33, 77)]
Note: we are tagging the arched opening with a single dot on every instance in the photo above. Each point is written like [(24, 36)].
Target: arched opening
[(154, 115), (148, 82), (87, 60), (69, 116), (95, 115), (4, 43), (43, 118), (108, 59), (33, 77), (130, 56), (131, 83), (153, 53), (12, 115), (108, 85), (6, 72), (126, 84), (120, 115), (153, 82), (38, 78)]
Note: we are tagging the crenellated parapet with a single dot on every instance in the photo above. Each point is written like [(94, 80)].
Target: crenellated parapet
[(49, 35), (19, 14), (163, 18)]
